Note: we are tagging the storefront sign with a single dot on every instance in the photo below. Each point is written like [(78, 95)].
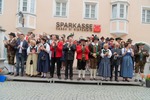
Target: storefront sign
[(74, 26), (97, 29)]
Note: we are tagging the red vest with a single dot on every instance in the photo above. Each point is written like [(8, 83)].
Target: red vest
[(79, 52)]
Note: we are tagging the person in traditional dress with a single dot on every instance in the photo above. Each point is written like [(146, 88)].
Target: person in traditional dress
[(94, 55), (140, 59), (69, 51), (10, 44), (43, 64), (56, 54), (115, 61), (104, 66), (127, 62), (82, 56), (31, 65)]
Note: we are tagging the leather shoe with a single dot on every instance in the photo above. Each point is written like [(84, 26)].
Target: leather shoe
[(59, 77), (16, 75)]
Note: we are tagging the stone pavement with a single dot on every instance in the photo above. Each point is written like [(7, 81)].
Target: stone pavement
[(49, 91)]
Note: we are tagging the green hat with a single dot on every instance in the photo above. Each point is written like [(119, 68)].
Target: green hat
[(95, 38), (71, 35)]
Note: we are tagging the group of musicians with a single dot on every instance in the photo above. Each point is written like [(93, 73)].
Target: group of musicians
[(101, 56)]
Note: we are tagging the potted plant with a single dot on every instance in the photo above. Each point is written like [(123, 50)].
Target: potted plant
[(148, 80)]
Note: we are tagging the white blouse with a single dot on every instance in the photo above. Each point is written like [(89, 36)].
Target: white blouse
[(109, 53), (28, 50)]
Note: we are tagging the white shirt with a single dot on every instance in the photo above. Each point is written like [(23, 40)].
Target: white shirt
[(20, 50)]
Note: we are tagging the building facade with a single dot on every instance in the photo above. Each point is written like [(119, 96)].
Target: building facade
[(108, 18)]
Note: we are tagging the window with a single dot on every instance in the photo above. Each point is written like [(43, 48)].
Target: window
[(26, 6), (114, 11), (146, 15), (1, 6), (90, 11), (61, 8), (119, 10), (32, 8)]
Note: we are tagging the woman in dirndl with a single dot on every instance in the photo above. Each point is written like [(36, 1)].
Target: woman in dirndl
[(31, 65), (104, 66), (43, 64), (127, 62)]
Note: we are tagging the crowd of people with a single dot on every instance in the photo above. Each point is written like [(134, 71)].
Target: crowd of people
[(102, 56)]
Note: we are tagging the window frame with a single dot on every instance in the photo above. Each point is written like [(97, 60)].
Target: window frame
[(2, 7), (20, 7), (96, 4), (118, 10), (60, 8), (146, 8)]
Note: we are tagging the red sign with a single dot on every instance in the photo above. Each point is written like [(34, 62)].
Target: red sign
[(97, 28)]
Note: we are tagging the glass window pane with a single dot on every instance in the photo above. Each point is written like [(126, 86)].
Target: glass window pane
[(143, 15), (24, 5), (0, 6), (114, 11), (18, 5), (121, 11), (57, 8), (148, 16), (63, 9), (93, 11), (32, 6), (87, 11)]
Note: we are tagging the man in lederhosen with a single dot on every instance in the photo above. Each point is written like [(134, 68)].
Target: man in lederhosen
[(94, 55), (10, 44), (140, 60), (82, 57)]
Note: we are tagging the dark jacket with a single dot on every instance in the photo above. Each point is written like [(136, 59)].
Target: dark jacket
[(115, 59), (137, 56), (24, 50), (69, 53)]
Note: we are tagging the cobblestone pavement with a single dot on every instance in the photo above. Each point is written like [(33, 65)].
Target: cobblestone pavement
[(47, 91)]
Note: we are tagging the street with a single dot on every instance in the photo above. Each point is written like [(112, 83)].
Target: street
[(49, 91)]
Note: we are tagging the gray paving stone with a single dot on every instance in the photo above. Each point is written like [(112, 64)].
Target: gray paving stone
[(47, 91)]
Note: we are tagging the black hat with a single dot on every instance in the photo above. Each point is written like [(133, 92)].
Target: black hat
[(107, 39), (12, 34), (118, 38), (95, 38), (129, 40)]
